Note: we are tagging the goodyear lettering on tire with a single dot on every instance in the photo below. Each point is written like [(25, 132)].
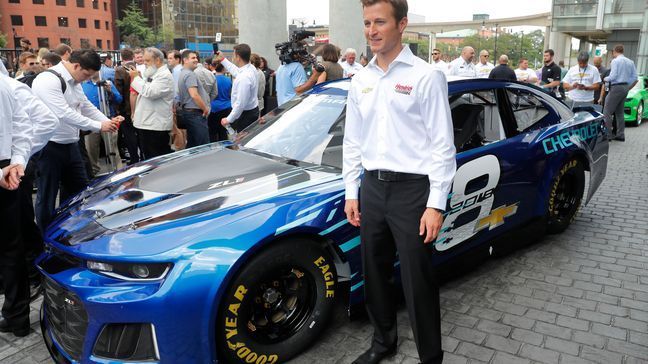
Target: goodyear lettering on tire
[(328, 276), (241, 350), (554, 188)]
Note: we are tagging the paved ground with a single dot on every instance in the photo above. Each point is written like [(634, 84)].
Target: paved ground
[(578, 297)]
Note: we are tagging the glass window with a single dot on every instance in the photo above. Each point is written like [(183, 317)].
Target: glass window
[(61, 2), (476, 119), (66, 41), (97, 24), (14, 1), (63, 21), (43, 42), (16, 20), (107, 25), (527, 108), (80, 4), (308, 129), (38, 2), (41, 21), (85, 43), (95, 4), (105, 6), (83, 23), (99, 44), (108, 45)]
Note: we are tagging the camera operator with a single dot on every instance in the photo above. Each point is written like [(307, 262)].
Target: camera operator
[(291, 76), (245, 105)]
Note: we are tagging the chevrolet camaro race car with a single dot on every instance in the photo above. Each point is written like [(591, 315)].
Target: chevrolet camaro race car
[(634, 107), (237, 252)]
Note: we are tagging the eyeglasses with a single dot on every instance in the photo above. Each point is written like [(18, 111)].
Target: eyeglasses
[(485, 55), (435, 53), (33, 63)]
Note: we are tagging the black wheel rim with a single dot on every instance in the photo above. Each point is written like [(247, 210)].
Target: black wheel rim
[(566, 199), (282, 302)]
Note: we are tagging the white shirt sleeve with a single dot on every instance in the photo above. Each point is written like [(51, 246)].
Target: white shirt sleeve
[(159, 87), (48, 89), (21, 135), (231, 67), (436, 111), (243, 87), (44, 122), (352, 157)]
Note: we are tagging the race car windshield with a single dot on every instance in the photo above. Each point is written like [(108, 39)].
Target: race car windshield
[(308, 129)]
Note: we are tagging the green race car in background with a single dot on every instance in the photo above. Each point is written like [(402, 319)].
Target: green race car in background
[(634, 109)]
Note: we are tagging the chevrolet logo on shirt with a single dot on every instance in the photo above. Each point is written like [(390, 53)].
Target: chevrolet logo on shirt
[(496, 218), (367, 90)]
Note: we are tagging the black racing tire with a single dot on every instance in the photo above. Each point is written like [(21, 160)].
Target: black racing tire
[(640, 109), (565, 196), (277, 304)]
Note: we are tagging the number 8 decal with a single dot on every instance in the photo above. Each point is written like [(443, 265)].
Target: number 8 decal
[(462, 202)]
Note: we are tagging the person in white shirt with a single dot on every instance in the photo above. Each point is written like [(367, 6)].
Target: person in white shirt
[(483, 67), (60, 162), (15, 147), (524, 73), (437, 62), (138, 54), (581, 81), (154, 116), (245, 105), (399, 132), (463, 66), (255, 60), (350, 66)]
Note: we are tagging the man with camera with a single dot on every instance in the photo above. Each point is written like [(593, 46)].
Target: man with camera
[(245, 105), (291, 76)]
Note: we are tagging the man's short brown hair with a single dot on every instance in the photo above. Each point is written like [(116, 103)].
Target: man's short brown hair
[(619, 48), (243, 50), (62, 48), (400, 6), (24, 56)]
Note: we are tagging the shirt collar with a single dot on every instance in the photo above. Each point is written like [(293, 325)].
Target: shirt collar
[(63, 71), (405, 56)]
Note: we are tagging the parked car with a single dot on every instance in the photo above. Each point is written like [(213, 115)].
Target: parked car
[(237, 252), (634, 109)]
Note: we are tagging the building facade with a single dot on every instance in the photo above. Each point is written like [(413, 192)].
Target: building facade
[(47, 23), (608, 22)]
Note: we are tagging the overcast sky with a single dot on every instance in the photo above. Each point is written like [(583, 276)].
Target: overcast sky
[(433, 10)]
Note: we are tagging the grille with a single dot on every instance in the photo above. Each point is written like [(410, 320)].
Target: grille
[(127, 342), (66, 318)]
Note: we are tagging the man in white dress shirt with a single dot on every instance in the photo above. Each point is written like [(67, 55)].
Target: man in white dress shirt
[(399, 131), (483, 67), (245, 105), (437, 62), (60, 161), (524, 73), (463, 66), (350, 66), (15, 147)]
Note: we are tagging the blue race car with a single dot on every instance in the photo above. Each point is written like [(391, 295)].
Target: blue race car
[(236, 252)]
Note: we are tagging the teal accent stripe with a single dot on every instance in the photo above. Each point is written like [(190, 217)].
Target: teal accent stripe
[(397, 264), (440, 241), (357, 285), (298, 222), (444, 229), (350, 244), (331, 214), (334, 227), (313, 207), (354, 274)]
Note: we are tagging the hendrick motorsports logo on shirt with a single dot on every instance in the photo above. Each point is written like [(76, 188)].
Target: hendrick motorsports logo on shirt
[(405, 90)]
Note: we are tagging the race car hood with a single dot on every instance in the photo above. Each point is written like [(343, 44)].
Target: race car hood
[(209, 180)]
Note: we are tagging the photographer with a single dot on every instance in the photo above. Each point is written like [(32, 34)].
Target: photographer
[(291, 76)]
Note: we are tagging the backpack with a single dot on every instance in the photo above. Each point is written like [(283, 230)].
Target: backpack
[(29, 79)]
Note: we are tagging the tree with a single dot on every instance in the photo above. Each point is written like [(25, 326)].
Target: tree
[(134, 27), (3, 40), (514, 45)]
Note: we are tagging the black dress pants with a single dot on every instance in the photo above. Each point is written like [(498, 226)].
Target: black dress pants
[(31, 235), (154, 142), (391, 213), (129, 135), (246, 119), (217, 131), (59, 165), (12, 260)]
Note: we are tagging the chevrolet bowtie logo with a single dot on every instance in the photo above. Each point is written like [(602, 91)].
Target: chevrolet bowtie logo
[(496, 218)]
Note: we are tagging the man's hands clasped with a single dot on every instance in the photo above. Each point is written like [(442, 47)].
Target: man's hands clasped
[(11, 176)]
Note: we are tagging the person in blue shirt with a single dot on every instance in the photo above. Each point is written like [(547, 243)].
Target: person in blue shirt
[(91, 89), (221, 106), (107, 71), (292, 80), (622, 78)]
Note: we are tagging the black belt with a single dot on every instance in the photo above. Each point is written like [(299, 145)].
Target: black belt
[(620, 83), (191, 110), (390, 176)]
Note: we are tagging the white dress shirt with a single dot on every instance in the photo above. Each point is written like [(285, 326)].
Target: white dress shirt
[(351, 69), (527, 75), (15, 128), (459, 67), (483, 70), (154, 109), (588, 77), (400, 121), (440, 65), (3, 69), (44, 122), (72, 107), (244, 89)]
